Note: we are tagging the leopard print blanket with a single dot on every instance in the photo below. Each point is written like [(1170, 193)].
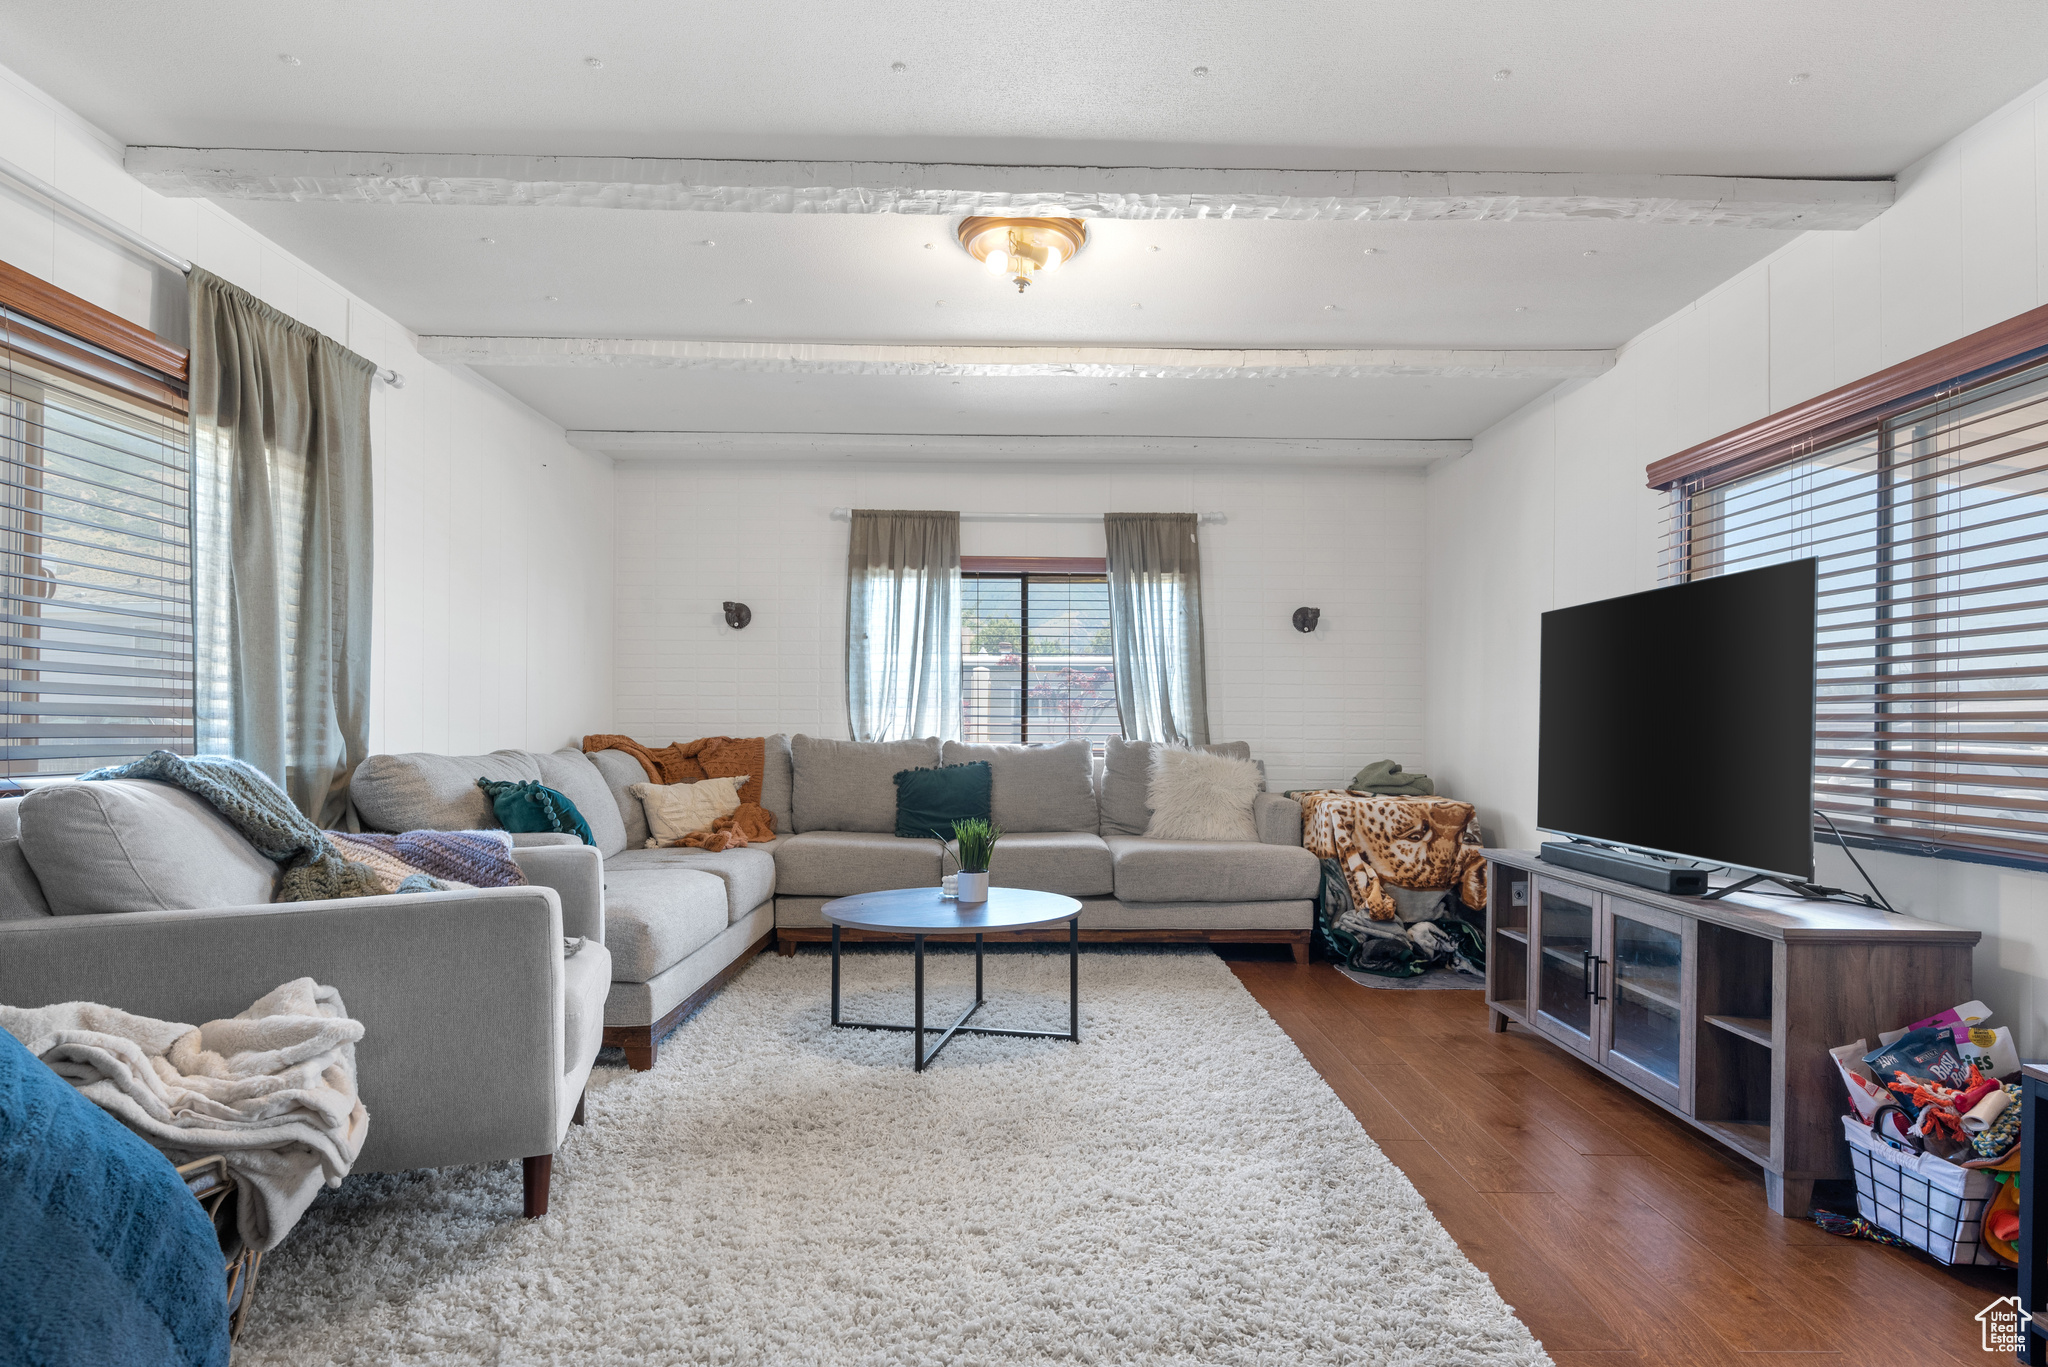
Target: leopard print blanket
[(1404, 842)]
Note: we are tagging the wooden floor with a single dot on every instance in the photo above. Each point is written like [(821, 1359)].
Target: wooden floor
[(1616, 1233)]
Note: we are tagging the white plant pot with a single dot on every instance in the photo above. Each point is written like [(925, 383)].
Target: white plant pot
[(974, 887)]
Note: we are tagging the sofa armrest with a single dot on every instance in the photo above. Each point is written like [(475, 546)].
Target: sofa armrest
[(528, 840), (1278, 819), (576, 873), (460, 995)]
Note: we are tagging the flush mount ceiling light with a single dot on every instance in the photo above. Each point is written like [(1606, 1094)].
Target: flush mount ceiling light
[(1022, 248)]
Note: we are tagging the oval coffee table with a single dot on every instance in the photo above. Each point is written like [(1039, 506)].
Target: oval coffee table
[(918, 912)]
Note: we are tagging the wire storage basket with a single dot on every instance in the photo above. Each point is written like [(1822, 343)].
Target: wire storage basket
[(1929, 1202)]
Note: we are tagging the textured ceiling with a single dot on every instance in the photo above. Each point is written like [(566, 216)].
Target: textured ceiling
[(1823, 88), (873, 279), (1634, 85)]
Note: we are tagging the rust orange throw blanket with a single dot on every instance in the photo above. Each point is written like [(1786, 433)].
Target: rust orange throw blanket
[(691, 761)]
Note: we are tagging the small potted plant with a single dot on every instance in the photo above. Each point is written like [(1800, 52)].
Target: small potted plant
[(976, 840)]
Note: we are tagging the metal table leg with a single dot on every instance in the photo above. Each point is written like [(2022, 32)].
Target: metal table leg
[(920, 1057), (917, 1054), (1074, 980)]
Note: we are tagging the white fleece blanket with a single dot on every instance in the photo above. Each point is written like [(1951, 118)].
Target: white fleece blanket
[(273, 1090)]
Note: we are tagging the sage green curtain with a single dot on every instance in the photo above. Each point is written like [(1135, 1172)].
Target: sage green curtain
[(903, 625), (1155, 626), (281, 504)]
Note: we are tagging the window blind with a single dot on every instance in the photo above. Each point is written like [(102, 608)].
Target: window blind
[(1931, 530), (1035, 659), (95, 556)]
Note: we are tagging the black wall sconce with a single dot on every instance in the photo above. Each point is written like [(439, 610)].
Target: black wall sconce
[(737, 615), (1305, 619)]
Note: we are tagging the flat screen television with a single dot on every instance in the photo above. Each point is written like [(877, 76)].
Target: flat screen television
[(1680, 721)]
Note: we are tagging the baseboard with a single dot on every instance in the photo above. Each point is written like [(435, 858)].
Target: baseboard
[(642, 1041)]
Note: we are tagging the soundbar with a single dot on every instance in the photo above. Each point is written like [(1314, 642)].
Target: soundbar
[(1637, 869)]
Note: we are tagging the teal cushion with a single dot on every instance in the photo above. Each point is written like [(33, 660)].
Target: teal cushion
[(531, 806), (929, 801)]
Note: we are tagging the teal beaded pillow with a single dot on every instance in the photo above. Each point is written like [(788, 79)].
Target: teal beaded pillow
[(532, 806)]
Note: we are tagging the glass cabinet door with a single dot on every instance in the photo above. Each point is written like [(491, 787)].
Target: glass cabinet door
[(1646, 987), (1565, 978)]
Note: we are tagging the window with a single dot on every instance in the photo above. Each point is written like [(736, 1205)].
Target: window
[(95, 554), (1035, 660), (1931, 528)]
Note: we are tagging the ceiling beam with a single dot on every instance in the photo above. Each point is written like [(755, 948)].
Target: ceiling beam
[(1010, 362), (1129, 192), (916, 448)]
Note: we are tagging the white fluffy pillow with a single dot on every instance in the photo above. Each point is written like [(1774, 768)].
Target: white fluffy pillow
[(1197, 796), (675, 810)]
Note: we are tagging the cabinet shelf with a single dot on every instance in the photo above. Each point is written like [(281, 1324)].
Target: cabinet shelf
[(1757, 1030), (1511, 933), (1754, 1140), (1662, 989)]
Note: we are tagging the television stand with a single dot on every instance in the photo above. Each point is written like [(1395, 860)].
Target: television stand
[(1720, 1010)]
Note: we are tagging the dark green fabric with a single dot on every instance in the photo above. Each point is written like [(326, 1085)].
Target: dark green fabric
[(1383, 947), (531, 806), (929, 801), (1388, 779)]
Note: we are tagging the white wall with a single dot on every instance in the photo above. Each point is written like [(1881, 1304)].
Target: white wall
[(492, 623), (1314, 707), (1550, 508)]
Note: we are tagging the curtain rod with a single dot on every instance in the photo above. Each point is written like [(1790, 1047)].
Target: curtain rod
[(121, 232), (846, 515)]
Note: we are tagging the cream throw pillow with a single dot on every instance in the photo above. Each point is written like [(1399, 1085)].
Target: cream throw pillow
[(675, 810), (1197, 796)]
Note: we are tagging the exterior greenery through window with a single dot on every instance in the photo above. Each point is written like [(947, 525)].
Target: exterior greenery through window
[(1035, 658), (1931, 528)]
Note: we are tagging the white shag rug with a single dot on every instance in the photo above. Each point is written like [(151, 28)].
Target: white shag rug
[(1180, 1187)]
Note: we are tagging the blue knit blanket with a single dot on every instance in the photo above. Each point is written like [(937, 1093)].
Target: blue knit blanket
[(105, 1256), (316, 865)]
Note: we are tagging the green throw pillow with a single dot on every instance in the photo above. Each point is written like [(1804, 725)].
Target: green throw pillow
[(530, 806), (929, 801)]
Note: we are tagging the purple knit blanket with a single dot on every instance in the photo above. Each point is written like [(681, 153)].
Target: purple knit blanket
[(477, 859)]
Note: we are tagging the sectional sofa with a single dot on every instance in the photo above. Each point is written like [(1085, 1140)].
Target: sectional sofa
[(681, 922)]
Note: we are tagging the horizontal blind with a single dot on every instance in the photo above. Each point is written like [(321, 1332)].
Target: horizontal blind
[(95, 571), (1932, 535), (1036, 665)]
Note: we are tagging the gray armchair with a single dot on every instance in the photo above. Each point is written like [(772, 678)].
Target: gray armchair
[(479, 1034)]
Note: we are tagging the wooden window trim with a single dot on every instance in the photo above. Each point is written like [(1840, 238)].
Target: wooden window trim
[(1033, 564), (95, 368), (88, 322), (1858, 407)]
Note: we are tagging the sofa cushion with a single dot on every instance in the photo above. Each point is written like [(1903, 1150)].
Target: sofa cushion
[(748, 873), (675, 810), (571, 773), (1194, 796), (841, 863), (657, 917), (620, 771), (850, 785), (1127, 774), (1210, 871), (1072, 863), (1036, 787), (586, 982), (137, 845), (775, 782), (930, 801), (422, 792)]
